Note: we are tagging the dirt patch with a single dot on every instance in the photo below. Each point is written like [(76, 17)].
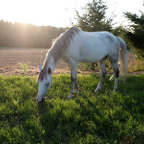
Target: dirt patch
[(10, 57)]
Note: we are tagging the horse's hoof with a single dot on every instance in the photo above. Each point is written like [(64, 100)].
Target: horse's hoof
[(95, 91), (114, 90), (70, 96)]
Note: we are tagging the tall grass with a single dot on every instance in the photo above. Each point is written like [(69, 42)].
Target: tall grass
[(103, 117), (24, 66), (136, 65)]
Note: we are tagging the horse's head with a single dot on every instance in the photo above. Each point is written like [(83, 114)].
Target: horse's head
[(44, 82)]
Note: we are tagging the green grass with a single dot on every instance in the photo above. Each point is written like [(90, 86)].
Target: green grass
[(103, 117)]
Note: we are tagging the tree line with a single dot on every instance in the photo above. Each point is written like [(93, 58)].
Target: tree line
[(27, 35)]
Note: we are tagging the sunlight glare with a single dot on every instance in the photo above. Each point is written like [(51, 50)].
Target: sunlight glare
[(58, 12), (38, 12)]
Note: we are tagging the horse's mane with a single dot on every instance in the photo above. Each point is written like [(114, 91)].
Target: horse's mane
[(61, 44)]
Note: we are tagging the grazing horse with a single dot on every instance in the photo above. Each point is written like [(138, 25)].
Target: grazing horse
[(75, 46)]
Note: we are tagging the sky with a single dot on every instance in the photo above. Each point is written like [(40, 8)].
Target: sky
[(60, 13)]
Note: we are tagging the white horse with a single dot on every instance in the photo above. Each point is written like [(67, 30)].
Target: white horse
[(75, 46)]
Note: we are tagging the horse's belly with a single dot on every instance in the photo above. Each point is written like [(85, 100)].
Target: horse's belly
[(92, 58), (93, 54)]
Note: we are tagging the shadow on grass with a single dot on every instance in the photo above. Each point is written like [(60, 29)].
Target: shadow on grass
[(96, 118)]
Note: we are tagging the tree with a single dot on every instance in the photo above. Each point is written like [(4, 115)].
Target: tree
[(94, 17), (135, 34)]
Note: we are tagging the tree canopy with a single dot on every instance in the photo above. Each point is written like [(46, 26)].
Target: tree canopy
[(135, 34), (93, 17)]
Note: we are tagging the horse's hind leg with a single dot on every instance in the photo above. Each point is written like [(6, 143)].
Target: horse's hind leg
[(116, 74), (103, 73), (76, 83)]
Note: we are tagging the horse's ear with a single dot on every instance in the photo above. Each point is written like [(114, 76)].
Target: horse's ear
[(40, 67), (49, 70)]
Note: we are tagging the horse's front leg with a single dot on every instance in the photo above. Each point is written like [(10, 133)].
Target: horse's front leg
[(73, 81), (73, 77)]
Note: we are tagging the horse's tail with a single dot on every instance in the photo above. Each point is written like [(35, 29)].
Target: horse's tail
[(123, 59)]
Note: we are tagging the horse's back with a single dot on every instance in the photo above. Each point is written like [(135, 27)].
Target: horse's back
[(91, 46)]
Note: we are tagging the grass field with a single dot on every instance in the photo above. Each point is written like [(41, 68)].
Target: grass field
[(103, 117)]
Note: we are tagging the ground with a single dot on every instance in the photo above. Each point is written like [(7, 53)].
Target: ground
[(10, 58)]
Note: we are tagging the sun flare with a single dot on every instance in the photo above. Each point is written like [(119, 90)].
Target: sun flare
[(44, 12)]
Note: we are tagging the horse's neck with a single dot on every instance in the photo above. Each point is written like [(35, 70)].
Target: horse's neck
[(50, 62)]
